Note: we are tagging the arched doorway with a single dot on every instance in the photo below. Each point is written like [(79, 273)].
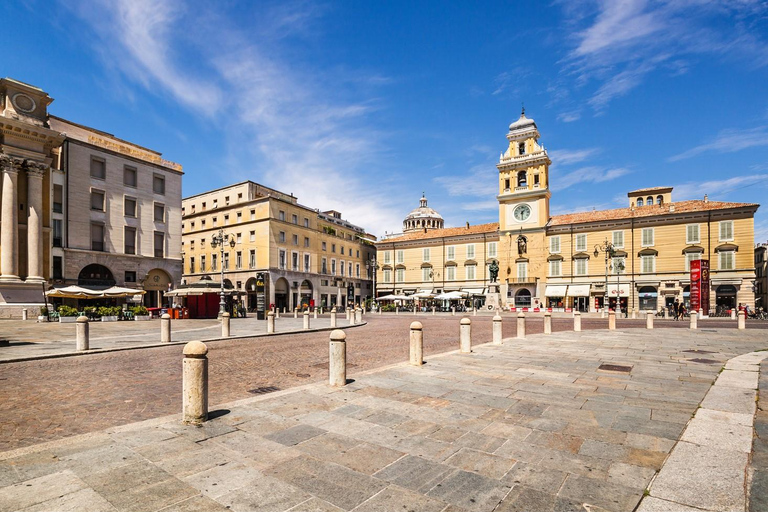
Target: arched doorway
[(725, 296), (648, 297), (250, 290), (281, 293), (95, 276), (156, 283), (305, 293), (523, 298)]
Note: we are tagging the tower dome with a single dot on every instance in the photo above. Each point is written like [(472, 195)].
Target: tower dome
[(422, 218)]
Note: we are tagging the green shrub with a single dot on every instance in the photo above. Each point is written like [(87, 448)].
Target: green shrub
[(67, 311), (108, 311), (43, 311), (139, 310)]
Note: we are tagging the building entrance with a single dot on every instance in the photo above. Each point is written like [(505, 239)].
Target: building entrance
[(581, 304)]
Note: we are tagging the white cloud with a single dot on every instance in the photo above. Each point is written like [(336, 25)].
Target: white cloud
[(569, 117), (590, 174), (718, 188), (761, 232), (728, 141), (491, 204), (480, 180), (571, 156)]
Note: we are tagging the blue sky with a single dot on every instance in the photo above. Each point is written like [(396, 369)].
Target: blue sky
[(360, 106)]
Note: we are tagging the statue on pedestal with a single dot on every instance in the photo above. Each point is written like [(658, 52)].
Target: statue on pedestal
[(493, 268)]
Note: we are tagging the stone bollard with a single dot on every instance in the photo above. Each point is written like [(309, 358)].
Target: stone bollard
[(82, 328), (270, 323), (602, 313), (296, 313), (733, 314), (397, 310), (474, 311), (277, 313), (465, 335), (694, 323), (433, 310), (306, 319), (453, 310), (284, 310), (577, 321), (649, 320), (666, 313), (742, 320), (380, 310), (701, 313), (195, 383), (314, 313), (358, 316), (225, 325), (547, 322), (24, 314), (497, 329), (337, 365), (333, 317), (634, 313), (417, 344), (165, 328), (521, 325), (611, 320)]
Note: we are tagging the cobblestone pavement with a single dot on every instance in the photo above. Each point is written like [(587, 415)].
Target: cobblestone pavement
[(533, 425), (54, 398)]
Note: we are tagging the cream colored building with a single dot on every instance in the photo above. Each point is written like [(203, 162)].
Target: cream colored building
[(309, 256), (50, 218), (560, 261), (761, 275)]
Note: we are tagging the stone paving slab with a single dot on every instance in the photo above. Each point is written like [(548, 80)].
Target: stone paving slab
[(503, 428)]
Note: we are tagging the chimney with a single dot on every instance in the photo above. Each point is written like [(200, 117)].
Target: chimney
[(467, 224), (706, 198), (671, 208)]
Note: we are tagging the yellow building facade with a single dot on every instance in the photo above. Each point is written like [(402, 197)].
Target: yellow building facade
[(636, 257), (307, 256)]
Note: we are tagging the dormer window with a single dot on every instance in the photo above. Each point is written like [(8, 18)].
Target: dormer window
[(639, 201), (522, 179), (659, 200), (649, 201), (521, 148)]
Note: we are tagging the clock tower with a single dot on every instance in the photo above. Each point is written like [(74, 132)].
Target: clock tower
[(523, 210)]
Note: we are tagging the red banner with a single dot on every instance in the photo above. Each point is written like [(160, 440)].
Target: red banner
[(700, 286)]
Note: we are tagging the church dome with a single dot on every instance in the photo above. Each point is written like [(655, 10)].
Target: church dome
[(522, 123), (422, 218)]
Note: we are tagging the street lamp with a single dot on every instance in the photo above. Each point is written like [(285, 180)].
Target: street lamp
[(607, 248), (371, 265), (221, 239)]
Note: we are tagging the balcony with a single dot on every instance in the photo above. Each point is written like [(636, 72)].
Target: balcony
[(521, 280)]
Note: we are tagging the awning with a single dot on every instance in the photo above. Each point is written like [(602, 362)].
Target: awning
[(556, 290), (622, 290), (578, 290), (473, 291), (80, 292)]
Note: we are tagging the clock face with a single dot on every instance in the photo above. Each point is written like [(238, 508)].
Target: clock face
[(522, 212)]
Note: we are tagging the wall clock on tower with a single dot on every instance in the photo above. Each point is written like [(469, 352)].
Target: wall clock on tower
[(522, 212)]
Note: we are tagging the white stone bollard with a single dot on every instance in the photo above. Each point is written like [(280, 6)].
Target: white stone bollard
[(465, 335), (195, 383), (277, 313), (333, 317), (314, 313), (296, 313), (521, 325), (733, 314), (497, 329), (270, 323), (397, 310), (453, 310), (380, 311), (474, 311), (649, 320), (577, 321), (225, 325), (547, 322), (602, 313), (742, 320), (82, 332), (165, 328), (284, 310), (24, 314), (611, 320), (417, 344), (433, 310), (414, 310), (694, 323), (306, 319), (701, 313), (666, 313), (337, 366), (634, 313), (358, 316)]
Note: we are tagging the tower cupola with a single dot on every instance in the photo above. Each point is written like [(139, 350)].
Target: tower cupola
[(422, 218)]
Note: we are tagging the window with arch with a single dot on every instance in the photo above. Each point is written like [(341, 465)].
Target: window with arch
[(522, 179), (649, 201), (659, 200), (639, 201), (521, 148)]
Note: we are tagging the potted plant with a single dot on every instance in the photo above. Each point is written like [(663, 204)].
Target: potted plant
[(140, 313), (43, 316), (108, 313), (67, 314)]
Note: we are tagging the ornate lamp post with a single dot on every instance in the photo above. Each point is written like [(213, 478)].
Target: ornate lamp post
[(221, 239), (373, 267), (607, 248)]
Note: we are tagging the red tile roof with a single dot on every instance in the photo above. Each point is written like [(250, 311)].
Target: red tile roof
[(445, 232), (697, 205)]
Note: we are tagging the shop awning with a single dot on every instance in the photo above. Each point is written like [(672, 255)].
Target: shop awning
[(578, 290), (80, 292), (621, 290), (556, 290), (473, 291)]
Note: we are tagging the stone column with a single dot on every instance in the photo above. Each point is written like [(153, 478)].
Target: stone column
[(694, 323), (465, 335), (611, 320), (497, 329), (270, 323), (521, 325), (9, 221), (333, 317), (577, 321), (547, 322), (742, 320), (417, 344), (35, 173), (337, 363), (649, 320), (165, 328), (81, 330), (195, 383), (306, 319), (225, 325)]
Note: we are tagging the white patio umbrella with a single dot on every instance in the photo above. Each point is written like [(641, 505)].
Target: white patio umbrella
[(423, 295), (388, 297)]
